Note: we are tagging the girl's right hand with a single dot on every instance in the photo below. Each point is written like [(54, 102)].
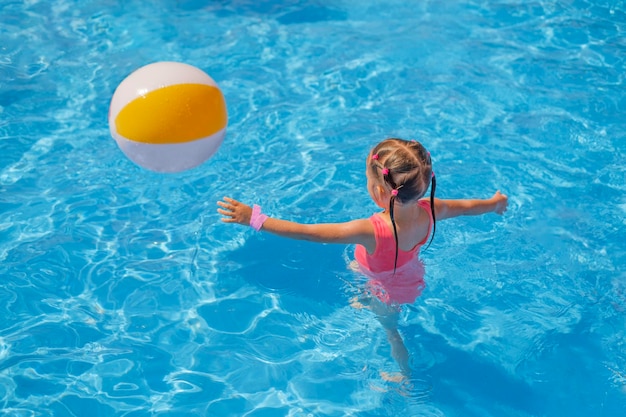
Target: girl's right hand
[(234, 211), (501, 201)]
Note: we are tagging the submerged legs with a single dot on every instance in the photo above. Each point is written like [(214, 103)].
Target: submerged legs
[(388, 316), (399, 351)]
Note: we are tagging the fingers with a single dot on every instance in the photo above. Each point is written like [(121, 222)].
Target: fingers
[(225, 212), (225, 205), (227, 202), (227, 209), (502, 201), (233, 211)]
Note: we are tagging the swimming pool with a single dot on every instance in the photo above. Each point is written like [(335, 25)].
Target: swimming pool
[(123, 294)]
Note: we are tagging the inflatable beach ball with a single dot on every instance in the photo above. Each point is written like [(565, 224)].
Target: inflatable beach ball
[(168, 116)]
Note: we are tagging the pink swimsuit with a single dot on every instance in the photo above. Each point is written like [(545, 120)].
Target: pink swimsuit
[(407, 283)]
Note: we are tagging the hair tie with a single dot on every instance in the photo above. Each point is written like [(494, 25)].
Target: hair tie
[(394, 192), (375, 157), (432, 175), (385, 171)]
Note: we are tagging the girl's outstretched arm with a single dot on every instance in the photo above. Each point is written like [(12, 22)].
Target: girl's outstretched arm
[(356, 231), (445, 209)]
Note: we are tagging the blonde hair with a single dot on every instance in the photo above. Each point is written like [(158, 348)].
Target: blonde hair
[(405, 167)]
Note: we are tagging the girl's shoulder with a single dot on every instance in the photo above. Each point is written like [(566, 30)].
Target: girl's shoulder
[(424, 203), (358, 226)]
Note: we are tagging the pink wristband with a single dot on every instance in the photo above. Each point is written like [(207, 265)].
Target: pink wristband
[(257, 219)]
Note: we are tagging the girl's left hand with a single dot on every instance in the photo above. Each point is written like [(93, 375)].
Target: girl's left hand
[(501, 202), (234, 211)]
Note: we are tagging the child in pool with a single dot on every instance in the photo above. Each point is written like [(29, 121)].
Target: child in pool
[(399, 173)]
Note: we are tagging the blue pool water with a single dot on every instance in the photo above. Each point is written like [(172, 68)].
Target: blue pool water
[(122, 294)]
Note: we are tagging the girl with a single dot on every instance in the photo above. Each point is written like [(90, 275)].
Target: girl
[(399, 173)]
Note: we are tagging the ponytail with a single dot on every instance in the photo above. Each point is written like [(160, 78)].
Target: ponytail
[(410, 163), (433, 187), (392, 201)]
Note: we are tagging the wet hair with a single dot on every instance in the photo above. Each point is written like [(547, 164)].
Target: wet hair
[(406, 167)]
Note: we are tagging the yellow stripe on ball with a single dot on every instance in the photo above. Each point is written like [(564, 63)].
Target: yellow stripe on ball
[(173, 114)]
